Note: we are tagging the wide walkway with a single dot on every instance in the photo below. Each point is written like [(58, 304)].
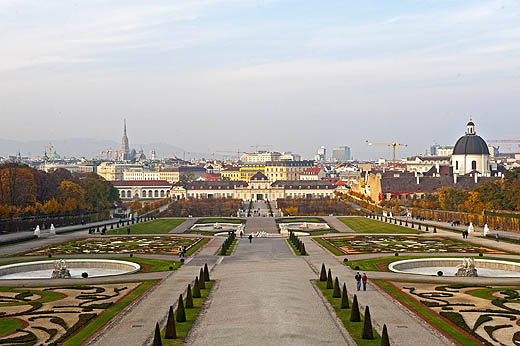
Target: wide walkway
[(404, 328), (264, 296), (135, 327)]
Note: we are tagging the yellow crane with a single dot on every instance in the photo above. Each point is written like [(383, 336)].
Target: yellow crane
[(107, 151), (388, 144)]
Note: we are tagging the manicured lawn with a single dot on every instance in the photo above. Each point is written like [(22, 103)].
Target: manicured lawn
[(328, 246), (364, 225), (300, 219), (197, 246), (429, 315), (9, 325), (355, 329), (159, 226), (220, 220), (183, 328), (105, 317)]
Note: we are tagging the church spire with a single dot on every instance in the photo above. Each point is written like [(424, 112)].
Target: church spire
[(125, 149)]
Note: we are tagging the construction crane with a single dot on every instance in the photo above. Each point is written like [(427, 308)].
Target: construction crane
[(506, 141), (388, 144), (107, 151), (238, 152), (256, 146), (183, 154)]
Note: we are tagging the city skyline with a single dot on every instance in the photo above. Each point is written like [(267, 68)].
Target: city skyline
[(222, 75)]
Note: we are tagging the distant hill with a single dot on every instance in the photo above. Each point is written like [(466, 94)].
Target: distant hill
[(80, 147)]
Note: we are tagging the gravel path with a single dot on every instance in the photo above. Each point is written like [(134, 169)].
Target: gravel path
[(264, 296)]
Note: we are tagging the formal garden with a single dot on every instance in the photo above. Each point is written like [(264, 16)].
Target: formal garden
[(358, 244), (61, 315), (165, 245), (469, 314)]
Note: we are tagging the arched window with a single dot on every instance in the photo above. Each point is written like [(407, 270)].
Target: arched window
[(456, 165), (144, 193), (123, 194), (162, 193), (156, 193), (150, 194), (128, 194), (473, 165)]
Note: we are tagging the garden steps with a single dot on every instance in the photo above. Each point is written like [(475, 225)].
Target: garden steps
[(337, 225), (404, 327), (185, 226)]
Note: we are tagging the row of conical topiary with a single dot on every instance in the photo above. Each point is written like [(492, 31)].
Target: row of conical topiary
[(355, 315), (297, 244), (180, 314), (393, 220), (227, 243)]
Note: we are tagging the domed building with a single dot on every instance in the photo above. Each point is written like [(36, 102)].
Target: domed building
[(471, 154)]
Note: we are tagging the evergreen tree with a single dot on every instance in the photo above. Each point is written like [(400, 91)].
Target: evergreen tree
[(323, 274), (329, 280), (344, 298), (337, 292), (385, 341), (171, 333), (367, 325), (181, 314), (196, 288), (202, 282), (189, 299), (157, 336), (354, 314), (206, 272)]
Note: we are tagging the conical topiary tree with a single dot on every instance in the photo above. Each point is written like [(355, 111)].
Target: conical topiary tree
[(329, 280), (196, 288), (344, 297), (206, 272), (181, 314), (157, 336), (170, 333), (189, 299), (202, 282), (323, 273), (367, 325), (385, 341), (337, 292), (354, 314)]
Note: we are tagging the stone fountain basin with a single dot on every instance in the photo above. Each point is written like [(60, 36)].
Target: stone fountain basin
[(43, 269), (210, 227), (449, 266)]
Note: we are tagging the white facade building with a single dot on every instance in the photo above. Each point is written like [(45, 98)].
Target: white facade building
[(471, 154)]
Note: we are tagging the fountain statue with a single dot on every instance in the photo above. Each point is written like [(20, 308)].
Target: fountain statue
[(37, 231), (283, 230), (471, 229), (486, 230), (52, 230), (217, 226), (304, 225), (60, 270), (467, 268)]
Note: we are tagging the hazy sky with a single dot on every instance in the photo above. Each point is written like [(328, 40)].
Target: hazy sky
[(293, 74)]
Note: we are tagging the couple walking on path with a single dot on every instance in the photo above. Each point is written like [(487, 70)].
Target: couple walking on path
[(361, 279)]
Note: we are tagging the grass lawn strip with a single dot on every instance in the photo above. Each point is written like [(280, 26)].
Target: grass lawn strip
[(105, 317), (230, 248), (365, 225), (9, 326), (197, 246), (355, 329), (446, 327), (329, 246), (159, 226), (220, 220), (295, 249), (301, 219), (183, 328)]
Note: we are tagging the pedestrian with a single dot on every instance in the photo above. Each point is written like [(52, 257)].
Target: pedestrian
[(364, 279), (250, 238), (128, 230), (184, 251), (358, 281), (241, 234)]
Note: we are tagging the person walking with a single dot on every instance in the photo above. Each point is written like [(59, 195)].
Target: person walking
[(250, 238), (128, 230), (364, 279), (358, 281), (241, 234)]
